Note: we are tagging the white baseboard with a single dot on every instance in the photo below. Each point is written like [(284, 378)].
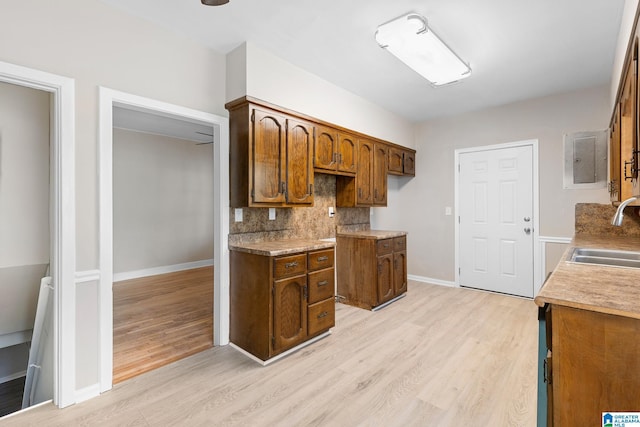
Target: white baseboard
[(87, 393), (161, 270), (13, 377), (432, 281)]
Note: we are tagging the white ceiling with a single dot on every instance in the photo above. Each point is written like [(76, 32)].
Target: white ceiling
[(517, 49)]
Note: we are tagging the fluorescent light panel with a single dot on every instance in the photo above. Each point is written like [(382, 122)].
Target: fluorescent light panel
[(410, 40)]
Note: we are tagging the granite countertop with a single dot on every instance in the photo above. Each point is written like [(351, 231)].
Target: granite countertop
[(612, 290), (281, 247), (372, 234)]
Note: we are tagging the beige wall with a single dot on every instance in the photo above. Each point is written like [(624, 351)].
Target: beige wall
[(24, 176), (419, 203), (162, 201), (98, 45), (274, 80)]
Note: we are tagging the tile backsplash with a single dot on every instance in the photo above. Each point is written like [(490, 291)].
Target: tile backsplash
[(594, 218), (300, 223)]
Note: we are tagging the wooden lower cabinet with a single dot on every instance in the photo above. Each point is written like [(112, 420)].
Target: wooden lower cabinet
[(595, 366), (278, 302), (371, 271)]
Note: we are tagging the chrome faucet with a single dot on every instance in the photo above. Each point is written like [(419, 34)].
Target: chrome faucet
[(617, 218)]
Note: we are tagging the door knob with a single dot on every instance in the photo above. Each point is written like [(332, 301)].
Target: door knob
[(527, 219), (527, 230)]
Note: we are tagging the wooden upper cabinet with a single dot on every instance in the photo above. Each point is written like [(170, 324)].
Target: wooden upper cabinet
[(380, 174), (325, 149), (614, 157), (628, 132), (268, 160), (299, 188), (396, 161), (401, 161), (364, 177), (347, 154), (409, 163), (334, 152)]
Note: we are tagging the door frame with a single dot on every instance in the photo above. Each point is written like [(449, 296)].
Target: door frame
[(108, 99), (533, 143), (62, 219)]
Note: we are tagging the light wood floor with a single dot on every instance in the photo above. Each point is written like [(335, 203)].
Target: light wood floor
[(439, 357), (160, 319)]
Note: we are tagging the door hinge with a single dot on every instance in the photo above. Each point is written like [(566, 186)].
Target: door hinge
[(458, 167), (273, 341), (253, 193), (310, 189), (458, 219), (459, 271), (253, 116)]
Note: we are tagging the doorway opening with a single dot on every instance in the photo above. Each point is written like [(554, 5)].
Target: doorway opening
[(55, 376), (496, 232), (162, 240), (25, 247), (161, 261)]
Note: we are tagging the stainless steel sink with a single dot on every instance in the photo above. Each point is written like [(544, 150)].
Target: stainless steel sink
[(606, 257)]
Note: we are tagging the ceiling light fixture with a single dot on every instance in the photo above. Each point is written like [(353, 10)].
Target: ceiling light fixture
[(214, 2), (410, 40)]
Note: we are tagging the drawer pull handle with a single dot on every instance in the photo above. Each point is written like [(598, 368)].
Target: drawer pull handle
[(323, 314), (386, 245), (323, 283), (291, 264), (323, 258)]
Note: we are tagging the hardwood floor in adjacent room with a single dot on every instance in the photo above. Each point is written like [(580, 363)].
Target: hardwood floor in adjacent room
[(160, 319), (439, 357)]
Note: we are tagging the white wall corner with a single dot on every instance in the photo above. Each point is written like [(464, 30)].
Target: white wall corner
[(236, 73)]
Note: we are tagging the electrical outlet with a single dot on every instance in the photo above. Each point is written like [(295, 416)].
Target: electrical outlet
[(238, 214), (272, 214)]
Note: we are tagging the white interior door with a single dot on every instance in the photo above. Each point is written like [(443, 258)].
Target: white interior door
[(496, 220)]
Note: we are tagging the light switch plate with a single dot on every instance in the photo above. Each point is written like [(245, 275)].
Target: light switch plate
[(331, 212), (238, 214), (447, 210), (272, 214)]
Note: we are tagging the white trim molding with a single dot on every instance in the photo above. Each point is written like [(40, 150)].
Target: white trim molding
[(163, 269), (108, 98), (63, 220), (544, 241), (87, 393), (87, 276), (536, 202), (432, 281)]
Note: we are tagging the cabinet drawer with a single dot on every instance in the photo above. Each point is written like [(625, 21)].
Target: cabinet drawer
[(399, 244), (321, 285), (385, 246), (319, 260), (321, 316), (289, 265)]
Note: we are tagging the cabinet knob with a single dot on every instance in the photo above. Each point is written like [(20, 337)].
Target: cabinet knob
[(291, 264), (323, 283), (323, 314), (323, 258), (527, 230)]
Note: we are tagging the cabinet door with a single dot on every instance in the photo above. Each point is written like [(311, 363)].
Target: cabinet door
[(400, 272), (299, 162), (380, 175), (396, 161), (268, 158), (347, 154), (628, 132), (364, 177), (614, 157), (289, 312), (325, 149), (385, 278), (409, 163)]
